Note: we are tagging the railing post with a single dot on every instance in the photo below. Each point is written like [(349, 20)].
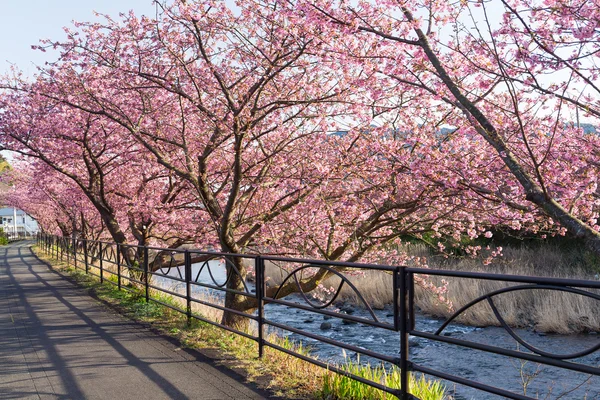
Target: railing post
[(146, 272), (188, 286), (119, 266), (403, 326), (259, 265), (396, 296), (75, 251), (85, 256), (101, 263)]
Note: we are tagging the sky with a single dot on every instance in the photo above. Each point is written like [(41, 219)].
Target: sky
[(24, 22)]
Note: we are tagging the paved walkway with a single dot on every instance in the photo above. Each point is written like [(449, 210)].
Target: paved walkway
[(58, 343)]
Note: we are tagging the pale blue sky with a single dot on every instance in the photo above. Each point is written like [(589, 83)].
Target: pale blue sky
[(24, 22)]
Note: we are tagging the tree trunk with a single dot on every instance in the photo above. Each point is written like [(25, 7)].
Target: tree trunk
[(236, 275)]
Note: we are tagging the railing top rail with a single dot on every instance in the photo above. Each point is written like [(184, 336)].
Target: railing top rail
[(309, 261), (427, 271), (208, 253), (508, 277), (330, 263), (166, 249)]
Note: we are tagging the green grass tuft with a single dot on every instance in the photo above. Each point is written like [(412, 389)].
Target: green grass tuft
[(338, 387)]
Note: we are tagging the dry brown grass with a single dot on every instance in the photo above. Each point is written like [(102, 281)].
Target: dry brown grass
[(544, 310)]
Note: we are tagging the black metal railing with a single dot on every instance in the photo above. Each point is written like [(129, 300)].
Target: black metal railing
[(128, 264)]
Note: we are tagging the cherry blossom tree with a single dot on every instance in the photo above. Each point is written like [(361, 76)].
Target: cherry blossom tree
[(489, 76), (134, 197), (49, 197)]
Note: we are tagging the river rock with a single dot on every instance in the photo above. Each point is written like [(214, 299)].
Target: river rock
[(347, 310), (309, 321), (325, 326)]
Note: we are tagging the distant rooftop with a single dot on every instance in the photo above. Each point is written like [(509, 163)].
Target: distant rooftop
[(8, 212)]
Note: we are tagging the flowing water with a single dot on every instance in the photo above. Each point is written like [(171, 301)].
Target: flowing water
[(537, 381)]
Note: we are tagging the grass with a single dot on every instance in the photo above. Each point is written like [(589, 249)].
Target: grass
[(288, 376), (337, 386), (542, 310)]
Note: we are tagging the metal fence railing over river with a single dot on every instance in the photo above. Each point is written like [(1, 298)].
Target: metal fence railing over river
[(395, 336)]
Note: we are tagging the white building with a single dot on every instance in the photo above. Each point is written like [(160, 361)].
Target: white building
[(15, 221)]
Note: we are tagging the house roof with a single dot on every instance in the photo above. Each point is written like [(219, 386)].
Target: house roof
[(8, 212)]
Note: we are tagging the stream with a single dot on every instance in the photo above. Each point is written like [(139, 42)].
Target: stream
[(532, 379)]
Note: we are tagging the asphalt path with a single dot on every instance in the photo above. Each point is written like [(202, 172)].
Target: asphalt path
[(56, 342)]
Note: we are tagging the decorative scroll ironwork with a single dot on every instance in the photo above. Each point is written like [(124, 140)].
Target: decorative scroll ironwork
[(109, 253), (343, 281), (229, 265), (489, 298), (172, 264), (133, 256)]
